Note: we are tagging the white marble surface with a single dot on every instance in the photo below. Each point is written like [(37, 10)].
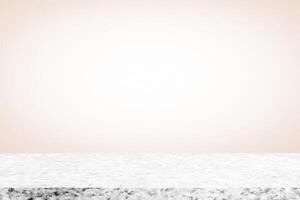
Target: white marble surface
[(150, 170), (150, 194)]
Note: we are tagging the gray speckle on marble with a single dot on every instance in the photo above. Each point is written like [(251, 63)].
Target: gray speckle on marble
[(150, 194)]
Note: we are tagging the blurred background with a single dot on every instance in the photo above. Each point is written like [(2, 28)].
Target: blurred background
[(150, 76)]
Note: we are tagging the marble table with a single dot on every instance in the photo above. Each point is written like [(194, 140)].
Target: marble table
[(149, 176)]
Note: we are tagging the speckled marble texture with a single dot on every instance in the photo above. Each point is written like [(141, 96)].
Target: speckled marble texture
[(149, 177), (150, 194)]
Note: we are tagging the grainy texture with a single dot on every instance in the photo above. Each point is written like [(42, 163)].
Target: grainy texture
[(149, 176), (150, 193)]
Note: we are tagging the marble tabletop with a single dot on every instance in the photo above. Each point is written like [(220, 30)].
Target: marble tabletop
[(149, 170), (150, 176)]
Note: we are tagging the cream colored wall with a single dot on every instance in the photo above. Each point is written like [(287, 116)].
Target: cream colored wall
[(149, 76)]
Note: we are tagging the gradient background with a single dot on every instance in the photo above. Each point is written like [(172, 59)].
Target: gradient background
[(150, 76)]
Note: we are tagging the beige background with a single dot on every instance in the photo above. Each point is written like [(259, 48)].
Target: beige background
[(149, 76)]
